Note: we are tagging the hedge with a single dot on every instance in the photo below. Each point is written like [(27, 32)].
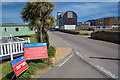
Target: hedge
[(67, 31)]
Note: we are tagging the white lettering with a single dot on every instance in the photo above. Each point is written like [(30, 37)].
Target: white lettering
[(19, 66)]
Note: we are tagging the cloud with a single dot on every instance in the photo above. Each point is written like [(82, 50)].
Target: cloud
[(84, 10), (89, 10)]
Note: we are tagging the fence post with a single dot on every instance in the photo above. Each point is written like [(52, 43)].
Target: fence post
[(28, 40), (11, 55)]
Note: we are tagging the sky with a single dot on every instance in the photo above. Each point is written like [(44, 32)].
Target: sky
[(85, 10)]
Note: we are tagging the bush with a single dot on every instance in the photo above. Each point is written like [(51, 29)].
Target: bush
[(26, 75), (51, 51), (68, 31), (84, 34)]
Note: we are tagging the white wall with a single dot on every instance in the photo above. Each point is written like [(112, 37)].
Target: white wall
[(56, 27), (69, 27)]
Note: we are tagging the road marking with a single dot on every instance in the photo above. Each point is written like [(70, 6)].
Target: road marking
[(79, 55), (98, 67), (65, 61)]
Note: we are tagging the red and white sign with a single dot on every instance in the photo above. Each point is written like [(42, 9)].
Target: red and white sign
[(35, 52), (19, 65)]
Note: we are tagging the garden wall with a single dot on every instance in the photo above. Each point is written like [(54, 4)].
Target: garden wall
[(107, 36)]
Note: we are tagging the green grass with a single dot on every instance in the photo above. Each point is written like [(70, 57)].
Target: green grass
[(32, 38), (85, 34), (34, 65), (6, 68), (82, 30)]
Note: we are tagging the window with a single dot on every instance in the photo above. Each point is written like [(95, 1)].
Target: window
[(31, 29), (16, 29), (70, 14), (4, 29)]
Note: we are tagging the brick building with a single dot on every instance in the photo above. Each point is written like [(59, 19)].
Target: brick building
[(67, 20), (109, 21)]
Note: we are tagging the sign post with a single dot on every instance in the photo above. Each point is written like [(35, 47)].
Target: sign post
[(19, 65), (35, 51)]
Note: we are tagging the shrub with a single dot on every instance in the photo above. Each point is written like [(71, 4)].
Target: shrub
[(84, 33), (68, 31), (51, 51), (26, 75)]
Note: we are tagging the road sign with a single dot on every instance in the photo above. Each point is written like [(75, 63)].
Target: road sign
[(19, 65), (35, 51)]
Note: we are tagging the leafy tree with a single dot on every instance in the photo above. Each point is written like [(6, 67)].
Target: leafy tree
[(38, 14)]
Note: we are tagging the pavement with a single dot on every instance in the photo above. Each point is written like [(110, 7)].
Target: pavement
[(90, 58), (73, 68)]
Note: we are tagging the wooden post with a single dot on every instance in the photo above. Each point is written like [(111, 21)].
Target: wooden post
[(48, 61), (29, 71), (13, 77)]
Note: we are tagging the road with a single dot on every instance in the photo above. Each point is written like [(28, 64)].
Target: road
[(89, 49)]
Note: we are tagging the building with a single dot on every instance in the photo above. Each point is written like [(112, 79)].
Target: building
[(60, 18), (109, 21), (86, 24), (79, 23), (92, 22), (15, 30), (117, 21), (67, 20)]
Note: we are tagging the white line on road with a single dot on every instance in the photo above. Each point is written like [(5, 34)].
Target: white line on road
[(98, 67), (65, 61)]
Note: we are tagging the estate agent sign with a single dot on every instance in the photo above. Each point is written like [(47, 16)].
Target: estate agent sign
[(19, 65), (35, 51)]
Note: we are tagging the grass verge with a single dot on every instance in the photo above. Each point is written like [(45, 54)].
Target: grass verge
[(32, 38), (34, 66), (85, 34)]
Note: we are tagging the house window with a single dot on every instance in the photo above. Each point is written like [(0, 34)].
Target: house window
[(16, 29), (4, 29), (31, 29), (70, 14)]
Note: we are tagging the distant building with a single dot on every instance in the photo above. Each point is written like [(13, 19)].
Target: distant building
[(15, 30), (109, 21), (86, 24), (60, 18), (67, 20), (79, 23), (117, 21), (92, 22)]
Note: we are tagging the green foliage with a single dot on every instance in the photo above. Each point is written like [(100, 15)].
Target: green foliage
[(85, 33), (51, 51), (6, 70), (34, 65), (68, 31), (39, 14), (25, 74)]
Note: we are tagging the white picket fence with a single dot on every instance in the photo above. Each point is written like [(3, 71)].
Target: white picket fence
[(12, 48)]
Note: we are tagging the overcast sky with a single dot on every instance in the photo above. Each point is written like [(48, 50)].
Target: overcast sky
[(85, 10)]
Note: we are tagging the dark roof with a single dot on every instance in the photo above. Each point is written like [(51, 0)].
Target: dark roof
[(12, 25), (70, 11)]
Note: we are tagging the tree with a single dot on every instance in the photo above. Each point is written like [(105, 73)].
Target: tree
[(38, 14)]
